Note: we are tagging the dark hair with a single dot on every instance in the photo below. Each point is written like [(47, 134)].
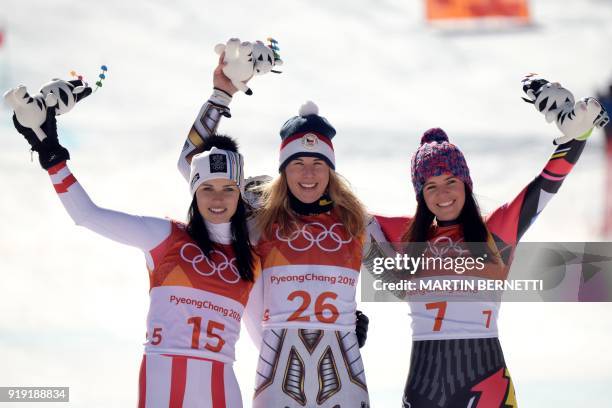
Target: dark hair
[(196, 227), (475, 232), (241, 243), (219, 141)]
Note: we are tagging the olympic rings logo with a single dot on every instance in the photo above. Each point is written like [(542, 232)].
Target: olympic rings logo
[(224, 268), (312, 239), (442, 245)]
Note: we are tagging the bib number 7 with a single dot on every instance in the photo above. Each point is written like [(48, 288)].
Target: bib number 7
[(441, 306), (441, 313)]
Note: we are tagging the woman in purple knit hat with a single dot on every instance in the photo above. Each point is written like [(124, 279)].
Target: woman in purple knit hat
[(457, 359)]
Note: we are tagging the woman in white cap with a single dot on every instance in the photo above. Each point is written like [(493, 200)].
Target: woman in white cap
[(310, 233), (200, 273)]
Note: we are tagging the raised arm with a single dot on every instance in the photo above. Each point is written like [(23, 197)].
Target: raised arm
[(205, 125), (510, 221), (36, 121), (208, 118), (145, 233), (576, 121)]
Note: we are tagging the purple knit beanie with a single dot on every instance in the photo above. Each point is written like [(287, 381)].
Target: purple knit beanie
[(437, 156)]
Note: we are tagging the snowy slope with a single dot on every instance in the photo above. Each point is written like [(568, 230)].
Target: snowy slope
[(74, 304)]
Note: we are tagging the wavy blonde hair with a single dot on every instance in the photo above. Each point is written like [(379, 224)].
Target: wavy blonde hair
[(276, 210)]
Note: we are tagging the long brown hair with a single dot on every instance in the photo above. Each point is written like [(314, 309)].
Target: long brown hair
[(277, 211)]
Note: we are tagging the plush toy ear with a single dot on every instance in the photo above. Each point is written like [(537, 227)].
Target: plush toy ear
[(219, 48), (50, 100), (12, 96), (245, 48), (78, 90)]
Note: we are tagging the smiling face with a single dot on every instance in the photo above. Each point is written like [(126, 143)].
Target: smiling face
[(307, 178), (444, 196), (217, 200)]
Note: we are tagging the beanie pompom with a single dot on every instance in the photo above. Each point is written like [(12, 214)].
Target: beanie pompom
[(309, 108), (434, 135)]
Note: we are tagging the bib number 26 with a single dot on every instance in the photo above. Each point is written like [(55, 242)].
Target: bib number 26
[(325, 312)]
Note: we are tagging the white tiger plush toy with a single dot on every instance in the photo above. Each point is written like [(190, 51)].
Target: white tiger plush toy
[(245, 59), (63, 95), (31, 111), (573, 119), (239, 62)]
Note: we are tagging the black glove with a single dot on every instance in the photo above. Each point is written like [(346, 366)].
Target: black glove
[(34, 117), (361, 329), (50, 152)]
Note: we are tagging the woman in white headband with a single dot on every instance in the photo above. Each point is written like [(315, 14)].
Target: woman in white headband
[(200, 273)]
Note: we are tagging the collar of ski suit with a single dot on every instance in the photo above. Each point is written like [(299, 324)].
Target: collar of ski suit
[(322, 205)]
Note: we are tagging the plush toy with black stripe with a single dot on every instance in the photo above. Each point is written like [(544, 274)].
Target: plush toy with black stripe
[(575, 120), (34, 116), (243, 60)]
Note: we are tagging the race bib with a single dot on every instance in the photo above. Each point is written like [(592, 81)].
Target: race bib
[(193, 322), (308, 296), (454, 314)]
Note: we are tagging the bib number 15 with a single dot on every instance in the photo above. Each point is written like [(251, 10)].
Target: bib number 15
[(320, 307), (213, 333)]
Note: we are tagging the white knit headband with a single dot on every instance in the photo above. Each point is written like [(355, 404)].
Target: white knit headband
[(214, 164)]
